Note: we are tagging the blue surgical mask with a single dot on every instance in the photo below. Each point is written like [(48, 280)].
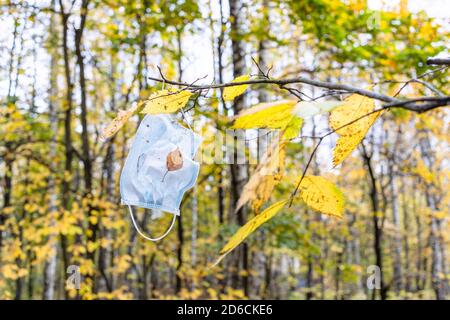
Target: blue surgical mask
[(159, 168)]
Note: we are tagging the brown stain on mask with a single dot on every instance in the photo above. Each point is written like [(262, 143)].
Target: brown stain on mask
[(174, 160)]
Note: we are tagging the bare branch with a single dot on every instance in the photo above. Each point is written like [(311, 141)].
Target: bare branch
[(420, 104), (438, 61)]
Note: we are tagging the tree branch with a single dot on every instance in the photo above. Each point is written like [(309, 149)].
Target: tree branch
[(420, 104), (438, 61)]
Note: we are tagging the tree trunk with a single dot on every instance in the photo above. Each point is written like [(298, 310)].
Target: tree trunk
[(438, 272), (221, 110), (67, 131), (397, 281), (50, 264), (238, 170), (220, 40), (7, 189), (194, 229), (180, 231), (377, 225), (406, 230), (85, 146), (421, 260), (337, 275)]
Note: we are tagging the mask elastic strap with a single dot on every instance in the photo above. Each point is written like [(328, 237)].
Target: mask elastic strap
[(147, 237)]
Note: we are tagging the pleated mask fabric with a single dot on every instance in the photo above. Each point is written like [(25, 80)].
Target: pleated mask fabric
[(160, 166)]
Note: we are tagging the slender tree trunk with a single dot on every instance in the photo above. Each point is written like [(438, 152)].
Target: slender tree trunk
[(85, 145), (310, 278), (8, 160), (238, 171), (221, 110), (7, 190), (267, 276), (377, 224), (354, 254), (86, 154), (438, 276), (50, 264), (12, 55), (420, 262), (263, 134), (106, 255), (220, 68), (323, 259), (263, 96), (68, 106), (406, 230), (180, 246), (194, 228), (180, 231), (337, 276), (397, 281), (21, 216)]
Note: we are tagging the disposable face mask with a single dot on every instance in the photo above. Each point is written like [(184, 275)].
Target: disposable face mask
[(159, 168)]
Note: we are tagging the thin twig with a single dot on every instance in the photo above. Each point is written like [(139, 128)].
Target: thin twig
[(291, 198), (321, 138)]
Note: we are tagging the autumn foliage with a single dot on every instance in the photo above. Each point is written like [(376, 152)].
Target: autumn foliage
[(333, 100)]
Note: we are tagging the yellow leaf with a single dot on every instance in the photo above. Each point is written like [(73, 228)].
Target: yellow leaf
[(22, 272), (351, 121), (166, 101), (271, 115), (250, 227), (93, 220), (422, 171), (293, 128), (92, 246), (352, 108), (268, 173), (322, 195), (441, 214), (122, 263), (9, 271), (13, 272), (87, 267), (229, 93), (119, 121), (344, 147)]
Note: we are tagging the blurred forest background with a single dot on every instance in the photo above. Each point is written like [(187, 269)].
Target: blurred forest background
[(68, 67)]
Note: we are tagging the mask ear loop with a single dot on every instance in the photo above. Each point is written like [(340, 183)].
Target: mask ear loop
[(145, 236)]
